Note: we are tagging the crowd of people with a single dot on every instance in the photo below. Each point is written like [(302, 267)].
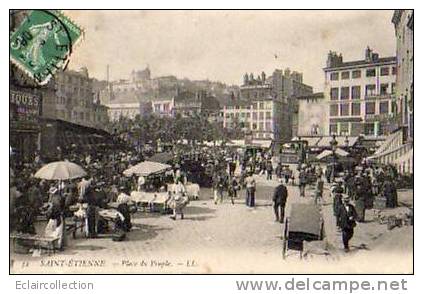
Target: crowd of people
[(227, 170)]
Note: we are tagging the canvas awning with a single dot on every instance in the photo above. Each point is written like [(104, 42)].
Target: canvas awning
[(325, 141), (338, 151), (261, 143)]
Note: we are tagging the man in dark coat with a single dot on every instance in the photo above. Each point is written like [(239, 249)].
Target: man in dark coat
[(390, 193), (280, 196), (337, 204), (360, 200), (269, 169), (347, 217)]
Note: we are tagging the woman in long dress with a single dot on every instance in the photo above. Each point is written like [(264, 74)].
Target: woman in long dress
[(178, 199), (56, 224)]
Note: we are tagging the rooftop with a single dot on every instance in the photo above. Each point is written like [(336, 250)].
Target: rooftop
[(363, 63)]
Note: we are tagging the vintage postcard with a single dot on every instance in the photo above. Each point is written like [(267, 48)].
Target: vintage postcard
[(211, 142)]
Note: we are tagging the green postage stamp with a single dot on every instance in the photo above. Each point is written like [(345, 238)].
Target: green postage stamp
[(42, 43)]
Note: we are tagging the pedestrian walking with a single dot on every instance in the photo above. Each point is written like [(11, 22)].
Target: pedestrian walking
[(233, 187), (280, 196), (250, 183), (360, 203), (220, 187), (389, 191), (269, 169), (348, 216), (302, 182), (287, 174), (279, 170), (178, 199), (318, 193)]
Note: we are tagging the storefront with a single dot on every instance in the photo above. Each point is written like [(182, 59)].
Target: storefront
[(59, 137), (24, 114)]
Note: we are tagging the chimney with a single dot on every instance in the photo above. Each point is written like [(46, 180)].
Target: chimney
[(368, 54), (263, 77), (334, 59)]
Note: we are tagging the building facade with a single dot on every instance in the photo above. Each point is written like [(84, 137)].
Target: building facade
[(126, 110), (403, 21), (360, 94), (162, 107), (267, 105), (75, 101), (259, 116), (312, 115), (24, 115), (191, 104)]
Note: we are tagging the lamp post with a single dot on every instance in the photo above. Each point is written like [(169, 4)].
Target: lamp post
[(333, 143)]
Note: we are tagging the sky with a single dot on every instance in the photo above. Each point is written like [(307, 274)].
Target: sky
[(224, 45)]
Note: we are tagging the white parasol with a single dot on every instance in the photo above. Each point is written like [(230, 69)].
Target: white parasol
[(146, 168), (60, 170)]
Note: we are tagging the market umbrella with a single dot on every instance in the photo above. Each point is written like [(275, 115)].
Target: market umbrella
[(146, 168), (163, 157), (60, 170)]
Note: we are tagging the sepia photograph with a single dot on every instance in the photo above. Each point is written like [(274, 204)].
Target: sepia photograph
[(211, 141)]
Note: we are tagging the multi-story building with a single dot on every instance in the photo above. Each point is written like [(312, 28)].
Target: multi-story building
[(200, 103), (398, 148), (24, 115), (360, 94), (128, 110), (74, 100), (312, 115), (403, 21), (162, 107), (260, 116), (267, 104)]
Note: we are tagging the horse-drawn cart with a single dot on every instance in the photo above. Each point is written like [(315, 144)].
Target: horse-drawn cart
[(305, 223)]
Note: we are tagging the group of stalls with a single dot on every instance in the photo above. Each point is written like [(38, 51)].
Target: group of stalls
[(344, 154), (147, 199), (154, 194)]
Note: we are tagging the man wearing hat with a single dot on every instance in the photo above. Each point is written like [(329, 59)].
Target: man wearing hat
[(347, 217), (279, 201), (337, 204)]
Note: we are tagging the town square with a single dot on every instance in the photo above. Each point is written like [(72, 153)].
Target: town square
[(211, 142)]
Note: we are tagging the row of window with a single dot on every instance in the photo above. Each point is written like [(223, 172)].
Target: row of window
[(258, 105), (354, 92), (356, 74), (159, 108), (81, 116), (348, 128), (256, 115), (261, 126), (256, 94), (354, 109), (81, 102), (85, 91)]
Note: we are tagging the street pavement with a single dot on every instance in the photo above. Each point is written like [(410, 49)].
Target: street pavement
[(221, 238)]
